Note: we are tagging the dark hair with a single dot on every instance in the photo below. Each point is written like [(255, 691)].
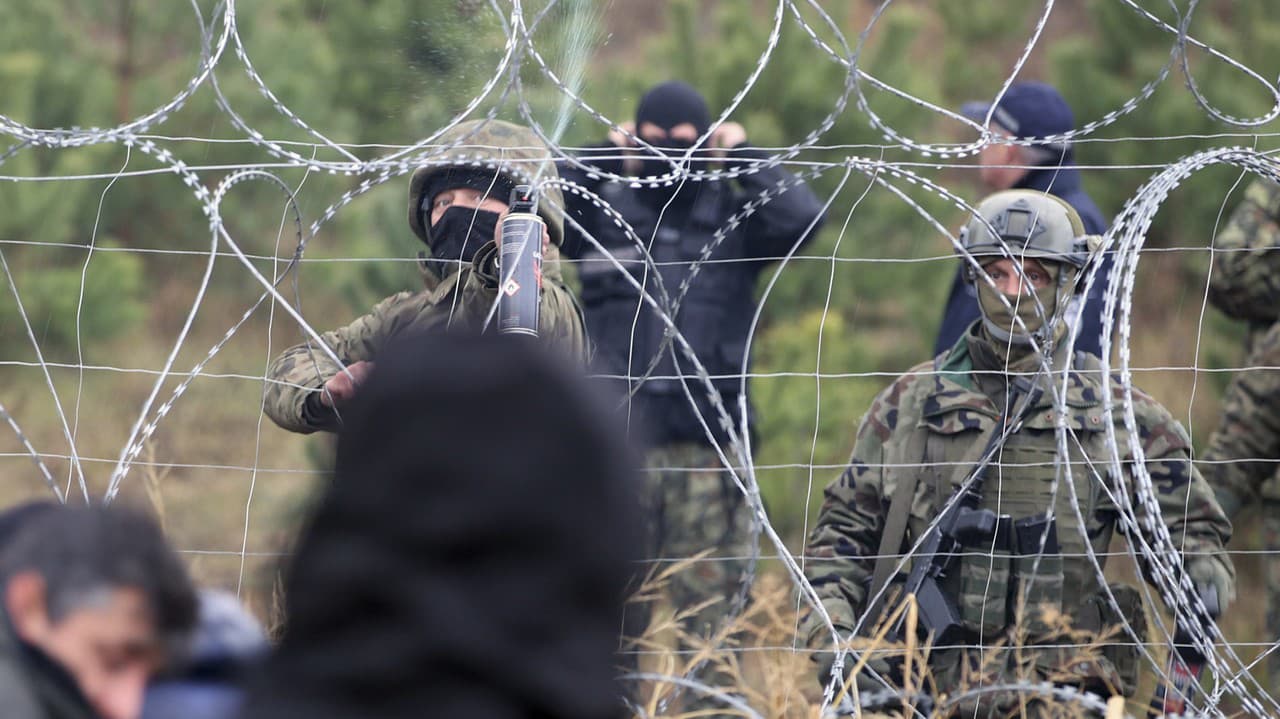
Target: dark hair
[(80, 551), (482, 516)]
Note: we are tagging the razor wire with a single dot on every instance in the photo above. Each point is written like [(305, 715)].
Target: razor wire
[(1149, 542)]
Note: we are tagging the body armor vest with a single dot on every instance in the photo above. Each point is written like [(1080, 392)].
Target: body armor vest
[(1000, 579)]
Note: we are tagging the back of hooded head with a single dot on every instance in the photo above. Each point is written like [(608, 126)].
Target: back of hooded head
[(471, 556)]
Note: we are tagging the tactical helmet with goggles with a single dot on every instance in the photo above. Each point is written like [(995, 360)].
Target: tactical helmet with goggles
[(1020, 225)]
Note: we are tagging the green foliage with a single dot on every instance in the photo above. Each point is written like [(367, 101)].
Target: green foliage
[(882, 316), (70, 301)]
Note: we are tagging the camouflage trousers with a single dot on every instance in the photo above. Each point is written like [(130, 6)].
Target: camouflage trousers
[(693, 509)]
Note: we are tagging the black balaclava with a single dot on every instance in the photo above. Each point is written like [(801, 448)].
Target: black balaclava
[(471, 555), (667, 105), (461, 231)]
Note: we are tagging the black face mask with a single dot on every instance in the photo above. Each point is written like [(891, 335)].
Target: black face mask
[(670, 151), (460, 232)]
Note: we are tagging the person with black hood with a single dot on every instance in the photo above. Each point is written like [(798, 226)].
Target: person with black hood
[(693, 506), (471, 556), (1030, 111)]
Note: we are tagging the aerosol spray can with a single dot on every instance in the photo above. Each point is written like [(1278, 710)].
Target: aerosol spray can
[(520, 274)]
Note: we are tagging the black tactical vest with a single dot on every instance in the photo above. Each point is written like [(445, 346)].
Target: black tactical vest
[(714, 316)]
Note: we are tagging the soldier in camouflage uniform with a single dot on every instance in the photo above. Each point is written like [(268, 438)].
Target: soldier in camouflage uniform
[(1241, 461), (923, 435), (455, 208)]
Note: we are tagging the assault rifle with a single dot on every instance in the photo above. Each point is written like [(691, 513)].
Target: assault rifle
[(960, 524)]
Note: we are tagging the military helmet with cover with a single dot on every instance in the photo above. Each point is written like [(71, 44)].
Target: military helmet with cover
[(1028, 224), (1031, 224), (513, 152)]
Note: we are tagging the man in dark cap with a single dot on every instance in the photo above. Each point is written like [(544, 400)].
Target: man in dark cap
[(1031, 111), (692, 503), (471, 557), (456, 206)]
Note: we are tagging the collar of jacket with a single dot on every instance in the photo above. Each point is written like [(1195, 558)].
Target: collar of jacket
[(438, 287), (954, 395), (33, 685), (1057, 179)]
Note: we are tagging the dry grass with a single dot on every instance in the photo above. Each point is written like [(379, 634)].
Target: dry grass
[(231, 493), (756, 659)]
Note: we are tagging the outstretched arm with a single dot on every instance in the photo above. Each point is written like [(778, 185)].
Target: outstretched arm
[(296, 378)]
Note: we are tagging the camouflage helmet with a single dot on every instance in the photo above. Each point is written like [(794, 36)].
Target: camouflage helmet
[(1032, 224), (514, 151)]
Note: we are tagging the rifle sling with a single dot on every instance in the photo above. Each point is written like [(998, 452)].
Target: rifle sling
[(895, 526), (895, 529)]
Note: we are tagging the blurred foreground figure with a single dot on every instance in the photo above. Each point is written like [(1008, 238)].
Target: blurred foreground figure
[(1242, 462), (1028, 111), (95, 603), (1008, 591), (692, 503), (472, 555), (455, 208), (208, 682)]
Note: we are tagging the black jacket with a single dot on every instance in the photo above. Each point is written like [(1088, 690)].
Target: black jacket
[(962, 304), (715, 315), (33, 686)]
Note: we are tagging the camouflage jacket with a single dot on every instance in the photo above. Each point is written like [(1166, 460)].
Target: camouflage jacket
[(462, 299), (1241, 460), (928, 428), (1245, 281)]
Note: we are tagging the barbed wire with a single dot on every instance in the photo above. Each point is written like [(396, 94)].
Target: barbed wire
[(1149, 546)]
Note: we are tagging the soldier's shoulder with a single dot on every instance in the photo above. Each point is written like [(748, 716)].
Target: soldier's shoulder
[(908, 384), (1154, 420), (400, 298), (897, 402), (1266, 194), (392, 312)]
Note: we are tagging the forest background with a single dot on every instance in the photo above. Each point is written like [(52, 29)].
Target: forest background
[(108, 249)]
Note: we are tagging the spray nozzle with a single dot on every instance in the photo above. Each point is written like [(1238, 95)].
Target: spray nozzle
[(524, 199)]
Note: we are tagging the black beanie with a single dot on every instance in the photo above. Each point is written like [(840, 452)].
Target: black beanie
[(672, 103), (471, 556)]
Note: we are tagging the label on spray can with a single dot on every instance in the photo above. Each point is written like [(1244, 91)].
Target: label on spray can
[(520, 283)]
